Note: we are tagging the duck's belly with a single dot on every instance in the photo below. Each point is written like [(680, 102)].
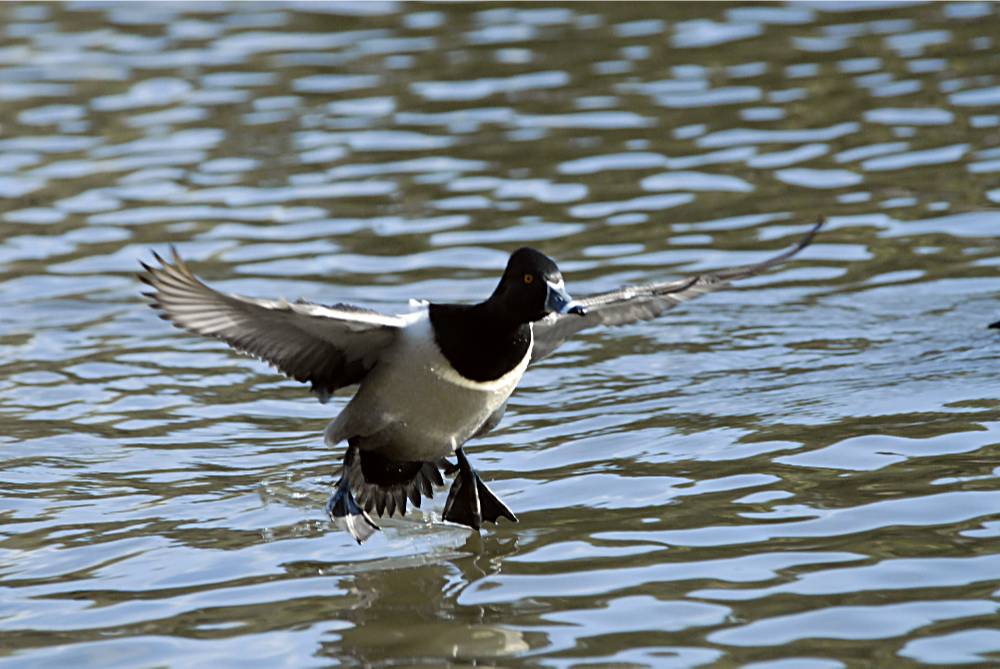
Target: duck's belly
[(422, 420), (415, 406)]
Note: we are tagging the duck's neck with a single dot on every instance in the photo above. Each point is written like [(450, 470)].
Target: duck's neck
[(478, 341)]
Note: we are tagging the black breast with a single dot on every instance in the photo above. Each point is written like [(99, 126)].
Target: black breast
[(479, 346)]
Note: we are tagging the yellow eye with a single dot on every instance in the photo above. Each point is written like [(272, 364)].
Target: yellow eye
[(528, 278)]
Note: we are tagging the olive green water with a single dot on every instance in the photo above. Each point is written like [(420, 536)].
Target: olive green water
[(800, 472)]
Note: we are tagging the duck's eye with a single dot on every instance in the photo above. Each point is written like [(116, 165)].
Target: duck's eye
[(528, 278)]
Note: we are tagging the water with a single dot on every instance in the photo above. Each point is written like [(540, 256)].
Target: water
[(801, 469)]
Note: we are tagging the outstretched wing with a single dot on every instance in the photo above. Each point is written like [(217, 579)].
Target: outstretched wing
[(328, 347), (641, 303)]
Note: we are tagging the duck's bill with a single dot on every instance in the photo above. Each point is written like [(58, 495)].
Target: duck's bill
[(558, 300)]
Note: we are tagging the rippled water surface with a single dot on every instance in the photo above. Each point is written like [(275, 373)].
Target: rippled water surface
[(803, 468)]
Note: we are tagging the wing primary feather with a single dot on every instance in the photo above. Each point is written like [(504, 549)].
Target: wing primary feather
[(327, 348)]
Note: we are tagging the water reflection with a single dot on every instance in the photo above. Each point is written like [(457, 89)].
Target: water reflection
[(801, 469)]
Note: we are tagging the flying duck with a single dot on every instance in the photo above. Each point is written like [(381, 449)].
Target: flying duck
[(427, 381)]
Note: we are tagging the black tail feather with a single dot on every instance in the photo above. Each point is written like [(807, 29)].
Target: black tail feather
[(413, 492), (431, 471), (383, 487)]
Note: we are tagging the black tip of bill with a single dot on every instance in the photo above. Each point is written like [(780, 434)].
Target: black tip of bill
[(559, 301)]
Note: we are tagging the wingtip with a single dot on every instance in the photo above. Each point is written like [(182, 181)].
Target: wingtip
[(175, 259), (808, 237), (176, 256)]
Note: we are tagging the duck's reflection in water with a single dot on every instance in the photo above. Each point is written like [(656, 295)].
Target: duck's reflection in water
[(400, 605)]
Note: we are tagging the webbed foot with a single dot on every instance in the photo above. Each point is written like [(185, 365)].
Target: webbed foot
[(470, 501), (342, 507)]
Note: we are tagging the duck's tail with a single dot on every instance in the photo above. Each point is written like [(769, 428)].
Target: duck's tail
[(384, 486)]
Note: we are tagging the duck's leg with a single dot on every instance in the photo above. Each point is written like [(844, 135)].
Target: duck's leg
[(342, 506), (470, 502)]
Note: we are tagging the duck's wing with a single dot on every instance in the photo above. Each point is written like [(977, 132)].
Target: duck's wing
[(328, 347), (641, 303)]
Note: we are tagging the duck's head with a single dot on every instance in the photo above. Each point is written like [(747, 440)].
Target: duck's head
[(531, 288)]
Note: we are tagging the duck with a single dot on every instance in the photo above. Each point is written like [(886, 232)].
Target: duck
[(425, 382)]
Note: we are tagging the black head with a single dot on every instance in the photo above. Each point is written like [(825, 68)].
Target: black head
[(531, 288)]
